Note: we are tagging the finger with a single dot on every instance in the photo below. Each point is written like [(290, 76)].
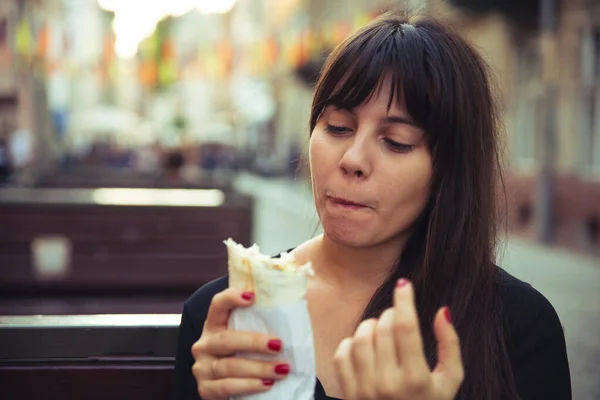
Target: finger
[(226, 388), (229, 342), (385, 344), (238, 367), (363, 357), (223, 303), (342, 362), (408, 333), (449, 372)]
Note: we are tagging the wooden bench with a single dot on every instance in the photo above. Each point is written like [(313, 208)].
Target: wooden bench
[(117, 241), (88, 357), (95, 177)]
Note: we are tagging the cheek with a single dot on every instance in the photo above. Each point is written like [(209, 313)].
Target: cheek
[(408, 199), (319, 158), (314, 161)]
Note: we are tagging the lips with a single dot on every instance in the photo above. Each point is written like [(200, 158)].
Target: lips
[(345, 202)]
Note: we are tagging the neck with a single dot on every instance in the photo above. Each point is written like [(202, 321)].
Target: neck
[(355, 268)]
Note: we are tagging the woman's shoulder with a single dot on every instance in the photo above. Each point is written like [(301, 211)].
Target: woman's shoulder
[(524, 306), (535, 341), (196, 306)]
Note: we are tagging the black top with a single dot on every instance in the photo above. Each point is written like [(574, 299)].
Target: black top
[(535, 340)]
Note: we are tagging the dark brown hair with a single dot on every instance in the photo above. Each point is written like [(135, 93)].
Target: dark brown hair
[(450, 256)]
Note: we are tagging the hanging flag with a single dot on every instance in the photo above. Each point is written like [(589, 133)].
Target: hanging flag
[(360, 20), (224, 52), (148, 74), (272, 49), (23, 39), (43, 40), (167, 73), (341, 31)]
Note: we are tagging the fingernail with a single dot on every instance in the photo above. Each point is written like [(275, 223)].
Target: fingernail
[(447, 315), (274, 344), (247, 296), (268, 382), (282, 369), (401, 282)]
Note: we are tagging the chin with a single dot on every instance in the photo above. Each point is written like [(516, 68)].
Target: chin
[(359, 235), (348, 236)]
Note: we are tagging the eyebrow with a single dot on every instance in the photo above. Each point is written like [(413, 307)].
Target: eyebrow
[(399, 120), (392, 119)]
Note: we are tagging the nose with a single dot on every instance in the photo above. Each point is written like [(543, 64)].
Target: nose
[(355, 161)]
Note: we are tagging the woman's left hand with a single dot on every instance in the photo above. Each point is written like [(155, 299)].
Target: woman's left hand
[(385, 359)]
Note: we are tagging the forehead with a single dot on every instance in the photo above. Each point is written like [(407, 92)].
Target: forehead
[(385, 96)]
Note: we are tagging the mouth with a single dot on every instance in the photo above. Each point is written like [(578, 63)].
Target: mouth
[(337, 201)]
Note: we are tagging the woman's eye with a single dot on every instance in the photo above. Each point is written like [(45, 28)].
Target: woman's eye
[(337, 130), (398, 147)]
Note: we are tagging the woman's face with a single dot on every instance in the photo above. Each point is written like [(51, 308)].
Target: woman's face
[(371, 172)]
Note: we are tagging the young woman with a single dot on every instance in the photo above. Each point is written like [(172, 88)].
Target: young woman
[(406, 302)]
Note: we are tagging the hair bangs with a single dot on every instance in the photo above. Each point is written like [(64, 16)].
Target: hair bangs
[(358, 71)]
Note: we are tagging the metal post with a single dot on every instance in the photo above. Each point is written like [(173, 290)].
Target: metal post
[(548, 132)]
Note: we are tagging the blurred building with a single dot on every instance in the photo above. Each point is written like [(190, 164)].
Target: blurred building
[(242, 78), (548, 88), (549, 91), (9, 88), (25, 120)]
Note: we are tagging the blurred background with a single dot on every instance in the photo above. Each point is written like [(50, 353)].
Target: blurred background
[(136, 135)]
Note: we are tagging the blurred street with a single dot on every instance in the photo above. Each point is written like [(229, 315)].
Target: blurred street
[(285, 217), (572, 284)]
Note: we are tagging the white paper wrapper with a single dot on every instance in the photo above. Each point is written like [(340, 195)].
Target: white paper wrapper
[(280, 310)]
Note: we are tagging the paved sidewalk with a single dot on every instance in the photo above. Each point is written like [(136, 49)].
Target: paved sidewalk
[(572, 284)]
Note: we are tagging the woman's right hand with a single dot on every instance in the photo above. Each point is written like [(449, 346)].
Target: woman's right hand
[(219, 374)]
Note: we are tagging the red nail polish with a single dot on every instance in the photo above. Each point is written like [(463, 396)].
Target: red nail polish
[(282, 369), (401, 282), (447, 315), (274, 344), (268, 382), (247, 296)]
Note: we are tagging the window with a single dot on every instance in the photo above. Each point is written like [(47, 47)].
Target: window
[(527, 117), (589, 128)]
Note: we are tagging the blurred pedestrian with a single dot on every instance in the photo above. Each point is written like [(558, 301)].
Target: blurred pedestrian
[(5, 164)]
